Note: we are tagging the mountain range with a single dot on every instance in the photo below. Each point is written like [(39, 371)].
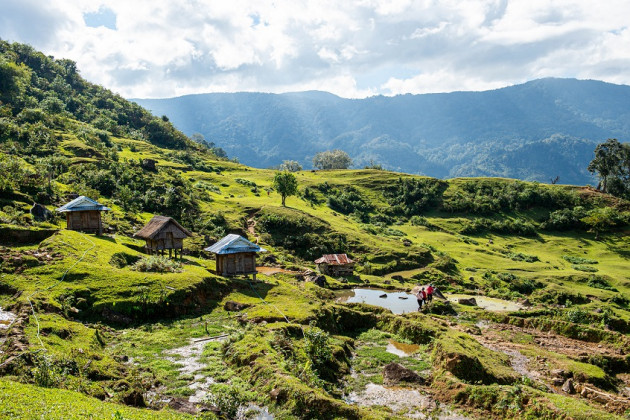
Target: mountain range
[(533, 131)]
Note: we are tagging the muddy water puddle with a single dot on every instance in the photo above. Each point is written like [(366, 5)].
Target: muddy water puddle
[(488, 303), (401, 349), (402, 302), (6, 318)]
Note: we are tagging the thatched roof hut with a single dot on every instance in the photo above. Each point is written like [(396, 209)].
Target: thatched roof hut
[(162, 233)]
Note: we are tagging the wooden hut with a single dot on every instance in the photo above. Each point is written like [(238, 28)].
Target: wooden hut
[(335, 265), (235, 255), (84, 214), (163, 233)]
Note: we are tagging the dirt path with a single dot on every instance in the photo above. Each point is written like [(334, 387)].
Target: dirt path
[(251, 228)]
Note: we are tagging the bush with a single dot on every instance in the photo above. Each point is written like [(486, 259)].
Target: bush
[(578, 260), (577, 316), (122, 259), (487, 196), (585, 268), (412, 196), (157, 264), (565, 219), (599, 282), (511, 226), (519, 256)]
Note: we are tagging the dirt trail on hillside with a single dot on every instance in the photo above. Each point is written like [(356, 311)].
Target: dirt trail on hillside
[(251, 228)]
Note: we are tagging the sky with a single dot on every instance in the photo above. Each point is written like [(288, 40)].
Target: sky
[(354, 49)]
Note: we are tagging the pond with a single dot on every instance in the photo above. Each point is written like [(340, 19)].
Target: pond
[(397, 302), (402, 302)]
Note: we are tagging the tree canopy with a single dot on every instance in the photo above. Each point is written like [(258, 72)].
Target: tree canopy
[(290, 165), (332, 159), (612, 165), (286, 184)]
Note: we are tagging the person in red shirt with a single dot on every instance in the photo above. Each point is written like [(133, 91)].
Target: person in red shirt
[(430, 293)]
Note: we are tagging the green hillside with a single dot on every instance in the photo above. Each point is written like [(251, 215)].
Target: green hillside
[(90, 326)]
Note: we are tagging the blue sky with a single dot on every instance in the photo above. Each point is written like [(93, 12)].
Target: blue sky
[(159, 48)]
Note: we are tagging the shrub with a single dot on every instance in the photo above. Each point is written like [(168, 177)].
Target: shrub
[(519, 256), (585, 268), (122, 259), (578, 260), (512, 226), (565, 219), (577, 316), (599, 282), (411, 196), (45, 373), (157, 264)]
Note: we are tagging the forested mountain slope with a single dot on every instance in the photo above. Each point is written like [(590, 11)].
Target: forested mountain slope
[(90, 326), (534, 131)]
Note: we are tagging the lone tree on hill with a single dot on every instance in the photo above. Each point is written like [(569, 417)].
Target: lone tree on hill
[(286, 184), (610, 162), (332, 159)]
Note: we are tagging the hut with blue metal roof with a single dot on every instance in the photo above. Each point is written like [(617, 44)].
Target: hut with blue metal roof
[(235, 255), (84, 214)]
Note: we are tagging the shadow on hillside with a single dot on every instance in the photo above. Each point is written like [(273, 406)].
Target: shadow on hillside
[(257, 289)]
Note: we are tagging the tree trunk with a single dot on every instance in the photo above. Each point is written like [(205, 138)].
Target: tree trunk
[(284, 197)]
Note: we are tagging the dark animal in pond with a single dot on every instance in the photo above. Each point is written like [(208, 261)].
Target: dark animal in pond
[(384, 295), (403, 297)]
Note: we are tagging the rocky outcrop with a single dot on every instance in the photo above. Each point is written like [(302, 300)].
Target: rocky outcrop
[(395, 373), (40, 213), (233, 306), (467, 301), (568, 386)]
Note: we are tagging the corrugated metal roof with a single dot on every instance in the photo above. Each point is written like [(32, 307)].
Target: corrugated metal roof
[(82, 203), (232, 244), (155, 225), (334, 259)]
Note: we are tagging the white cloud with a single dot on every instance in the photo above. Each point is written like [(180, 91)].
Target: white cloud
[(161, 48)]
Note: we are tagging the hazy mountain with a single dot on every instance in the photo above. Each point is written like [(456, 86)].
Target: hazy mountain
[(533, 131)]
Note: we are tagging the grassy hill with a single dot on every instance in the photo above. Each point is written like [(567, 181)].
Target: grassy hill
[(87, 328)]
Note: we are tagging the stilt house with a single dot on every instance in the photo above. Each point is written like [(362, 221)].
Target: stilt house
[(235, 255), (163, 233), (335, 265), (84, 214)]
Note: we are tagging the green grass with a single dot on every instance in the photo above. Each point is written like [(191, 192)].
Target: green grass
[(164, 311), (25, 401)]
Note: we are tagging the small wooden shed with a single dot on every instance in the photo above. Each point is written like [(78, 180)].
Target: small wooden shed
[(335, 265), (162, 233), (235, 255), (84, 214)]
